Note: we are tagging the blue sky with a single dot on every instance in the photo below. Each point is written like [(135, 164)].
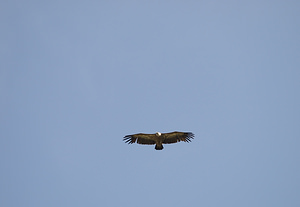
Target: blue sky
[(76, 77)]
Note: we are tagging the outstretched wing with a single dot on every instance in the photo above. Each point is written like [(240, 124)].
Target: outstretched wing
[(140, 139), (174, 137)]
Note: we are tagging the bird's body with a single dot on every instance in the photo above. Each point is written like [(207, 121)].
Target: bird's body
[(159, 138)]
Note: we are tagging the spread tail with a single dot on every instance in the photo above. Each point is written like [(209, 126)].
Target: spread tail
[(159, 147)]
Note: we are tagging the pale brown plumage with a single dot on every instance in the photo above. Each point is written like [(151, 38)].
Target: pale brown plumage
[(159, 138)]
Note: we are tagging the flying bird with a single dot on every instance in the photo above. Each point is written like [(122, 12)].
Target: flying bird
[(159, 138)]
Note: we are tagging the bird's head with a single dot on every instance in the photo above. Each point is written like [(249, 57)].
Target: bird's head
[(158, 134)]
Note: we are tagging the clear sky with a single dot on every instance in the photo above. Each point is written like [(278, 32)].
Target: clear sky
[(77, 76)]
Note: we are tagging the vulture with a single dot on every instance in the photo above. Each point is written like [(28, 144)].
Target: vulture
[(159, 138)]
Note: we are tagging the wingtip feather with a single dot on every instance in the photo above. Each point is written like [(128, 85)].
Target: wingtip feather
[(128, 139)]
